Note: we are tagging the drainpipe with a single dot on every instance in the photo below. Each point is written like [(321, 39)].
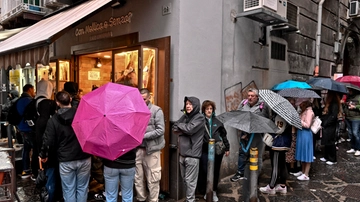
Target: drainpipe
[(318, 39)]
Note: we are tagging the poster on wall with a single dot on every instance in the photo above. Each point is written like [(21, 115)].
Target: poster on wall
[(93, 75), (244, 91), (64, 71), (233, 97)]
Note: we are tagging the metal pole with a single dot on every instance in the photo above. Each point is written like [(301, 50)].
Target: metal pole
[(253, 174), (210, 171)]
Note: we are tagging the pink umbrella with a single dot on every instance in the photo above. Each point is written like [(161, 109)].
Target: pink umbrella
[(111, 120), (355, 80)]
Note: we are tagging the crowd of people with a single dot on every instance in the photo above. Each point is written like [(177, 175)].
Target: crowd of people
[(69, 169)]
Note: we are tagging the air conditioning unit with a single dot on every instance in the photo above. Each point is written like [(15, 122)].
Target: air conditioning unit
[(292, 15), (277, 6), (353, 9), (255, 4)]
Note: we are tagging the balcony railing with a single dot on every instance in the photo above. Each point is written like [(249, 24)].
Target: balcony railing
[(28, 7)]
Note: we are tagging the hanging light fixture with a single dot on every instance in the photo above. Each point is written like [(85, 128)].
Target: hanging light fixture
[(98, 63)]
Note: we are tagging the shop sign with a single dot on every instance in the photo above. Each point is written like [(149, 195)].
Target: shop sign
[(99, 26)]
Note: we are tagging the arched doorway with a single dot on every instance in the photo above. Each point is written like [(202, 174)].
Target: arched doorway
[(351, 59)]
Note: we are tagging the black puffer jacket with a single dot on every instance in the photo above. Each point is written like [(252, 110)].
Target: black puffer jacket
[(191, 126), (59, 135), (218, 131)]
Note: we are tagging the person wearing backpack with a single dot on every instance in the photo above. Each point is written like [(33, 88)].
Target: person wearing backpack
[(45, 108), (26, 132), (13, 95)]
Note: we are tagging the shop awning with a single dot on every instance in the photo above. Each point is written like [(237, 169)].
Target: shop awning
[(41, 34)]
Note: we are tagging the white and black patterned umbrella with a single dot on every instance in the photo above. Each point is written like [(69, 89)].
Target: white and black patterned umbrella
[(281, 106), (248, 122), (298, 93)]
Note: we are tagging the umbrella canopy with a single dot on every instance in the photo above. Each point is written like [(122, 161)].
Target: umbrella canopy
[(111, 120), (298, 93), (328, 84), (248, 122), (352, 86), (281, 106), (355, 80), (291, 84)]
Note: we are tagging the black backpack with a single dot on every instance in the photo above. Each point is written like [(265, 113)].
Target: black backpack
[(13, 117), (31, 113)]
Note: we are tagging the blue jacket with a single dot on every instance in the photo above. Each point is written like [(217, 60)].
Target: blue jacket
[(24, 100)]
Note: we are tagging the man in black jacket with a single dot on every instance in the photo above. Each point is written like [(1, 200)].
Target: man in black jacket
[(190, 128), (74, 164)]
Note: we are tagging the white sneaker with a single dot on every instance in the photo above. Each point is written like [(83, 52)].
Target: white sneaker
[(303, 177), (348, 140), (298, 174), (330, 162), (357, 153), (215, 198), (267, 190), (314, 157), (350, 151), (281, 190), (323, 159)]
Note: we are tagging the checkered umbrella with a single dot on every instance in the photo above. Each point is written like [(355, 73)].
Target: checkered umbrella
[(281, 106), (298, 93), (248, 122)]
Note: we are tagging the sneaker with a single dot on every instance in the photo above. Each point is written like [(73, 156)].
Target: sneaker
[(342, 139), (314, 157), (303, 177), (357, 153), (99, 197), (25, 174), (348, 140), (267, 190), (330, 162), (215, 198), (33, 178), (237, 177), (280, 189), (350, 151), (298, 174), (323, 159)]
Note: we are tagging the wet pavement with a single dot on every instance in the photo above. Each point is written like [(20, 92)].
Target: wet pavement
[(339, 182)]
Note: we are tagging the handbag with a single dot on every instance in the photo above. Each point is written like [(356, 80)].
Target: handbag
[(219, 145), (316, 125), (268, 139)]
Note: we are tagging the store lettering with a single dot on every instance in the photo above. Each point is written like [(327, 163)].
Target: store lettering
[(98, 26)]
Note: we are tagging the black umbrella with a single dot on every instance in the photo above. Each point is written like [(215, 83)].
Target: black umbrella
[(298, 93), (41, 182), (281, 106), (248, 122), (328, 84)]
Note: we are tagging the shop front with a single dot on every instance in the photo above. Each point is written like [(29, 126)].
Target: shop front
[(98, 52)]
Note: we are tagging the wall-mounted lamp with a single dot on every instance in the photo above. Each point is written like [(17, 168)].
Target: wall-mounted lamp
[(98, 63)]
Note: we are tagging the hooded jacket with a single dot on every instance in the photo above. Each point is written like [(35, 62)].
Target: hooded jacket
[(59, 136), (44, 88), (191, 125)]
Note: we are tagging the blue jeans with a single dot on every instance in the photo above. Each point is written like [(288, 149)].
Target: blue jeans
[(112, 177), (75, 176), (51, 182), (349, 129), (241, 161), (355, 140)]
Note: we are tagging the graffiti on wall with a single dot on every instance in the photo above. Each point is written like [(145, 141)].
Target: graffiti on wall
[(235, 94)]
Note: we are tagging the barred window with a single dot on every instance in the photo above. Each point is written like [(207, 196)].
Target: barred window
[(278, 51)]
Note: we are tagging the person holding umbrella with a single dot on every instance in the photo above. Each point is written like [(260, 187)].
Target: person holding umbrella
[(190, 129), (352, 115), (329, 120)]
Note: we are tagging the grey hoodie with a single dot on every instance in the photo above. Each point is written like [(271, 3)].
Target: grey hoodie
[(191, 125), (44, 88)]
